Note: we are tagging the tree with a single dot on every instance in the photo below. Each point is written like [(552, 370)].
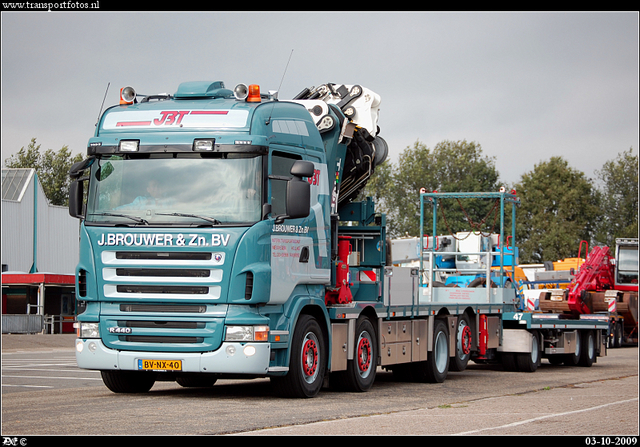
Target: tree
[(559, 208), (52, 169), (451, 166), (619, 193)]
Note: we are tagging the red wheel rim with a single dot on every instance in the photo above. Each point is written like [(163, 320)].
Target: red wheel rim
[(466, 340), (309, 357), (364, 354)]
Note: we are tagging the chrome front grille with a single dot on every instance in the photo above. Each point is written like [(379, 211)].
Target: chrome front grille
[(155, 299), (162, 276)]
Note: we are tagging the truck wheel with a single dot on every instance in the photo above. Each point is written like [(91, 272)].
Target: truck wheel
[(361, 371), (588, 349), (128, 381), (308, 361), (574, 359), (529, 361), (463, 344), (618, 335), (436, 367)]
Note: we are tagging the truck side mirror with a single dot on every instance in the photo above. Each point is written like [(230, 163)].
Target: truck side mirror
[(298, 190), (76, 189), (76, 193), (298, 199)]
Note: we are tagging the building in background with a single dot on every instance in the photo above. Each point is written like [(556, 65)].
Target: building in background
[(39, 257)]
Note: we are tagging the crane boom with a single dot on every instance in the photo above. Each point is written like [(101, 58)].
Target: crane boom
[(595, 274)]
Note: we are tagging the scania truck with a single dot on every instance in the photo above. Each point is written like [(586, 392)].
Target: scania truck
[(222, 235)]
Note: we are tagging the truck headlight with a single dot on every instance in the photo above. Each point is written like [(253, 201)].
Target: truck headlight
[(247, 333), (87, 330)]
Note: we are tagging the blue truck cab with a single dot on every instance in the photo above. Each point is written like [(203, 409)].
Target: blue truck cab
[(204, 234)]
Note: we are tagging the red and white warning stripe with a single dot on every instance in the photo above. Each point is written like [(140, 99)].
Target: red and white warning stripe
[(368, 276)]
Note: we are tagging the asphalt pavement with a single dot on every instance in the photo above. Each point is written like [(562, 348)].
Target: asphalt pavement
[(602, 400), (36, 342)]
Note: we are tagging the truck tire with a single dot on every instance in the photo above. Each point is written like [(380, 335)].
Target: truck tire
[(588, 355), (361, 371), (128, 381), (308, 361), (574, 359), (436, 367), (529, 361), (618, 335), (463, 344)]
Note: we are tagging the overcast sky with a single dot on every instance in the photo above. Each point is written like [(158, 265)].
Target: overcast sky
[(526, 86)]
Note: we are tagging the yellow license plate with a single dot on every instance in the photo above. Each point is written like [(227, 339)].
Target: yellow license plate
[(159, 365)]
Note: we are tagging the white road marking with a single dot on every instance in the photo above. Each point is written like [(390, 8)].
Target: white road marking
[(554, 415)]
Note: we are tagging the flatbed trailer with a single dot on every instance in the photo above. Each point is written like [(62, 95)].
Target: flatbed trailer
[(484, 324)]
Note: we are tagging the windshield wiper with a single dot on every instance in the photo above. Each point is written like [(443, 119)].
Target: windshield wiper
[(208, 219), (137, 219)]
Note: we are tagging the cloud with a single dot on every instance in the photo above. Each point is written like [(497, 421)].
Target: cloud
[(526, 86)]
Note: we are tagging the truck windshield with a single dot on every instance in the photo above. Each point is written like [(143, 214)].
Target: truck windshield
[(176, 190)]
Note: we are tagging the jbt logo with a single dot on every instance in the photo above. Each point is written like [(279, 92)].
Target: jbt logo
[(315, 179), (174, 117), (170, 117)]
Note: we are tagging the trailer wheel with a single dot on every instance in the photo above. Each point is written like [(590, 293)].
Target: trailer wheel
[(463, 344), (436, 367), (128, 381), (308, 361), (529, 361), (618, 335), (361, 371), (574, 359), (588, 355)]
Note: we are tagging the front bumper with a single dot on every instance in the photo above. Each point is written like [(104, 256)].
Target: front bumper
[(231, 358)]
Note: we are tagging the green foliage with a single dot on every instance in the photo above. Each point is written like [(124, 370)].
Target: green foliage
[(52, 169), (451, 166), (559, 208), (619, 193)]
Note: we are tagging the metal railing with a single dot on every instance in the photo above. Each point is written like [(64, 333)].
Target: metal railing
[(22, 324)]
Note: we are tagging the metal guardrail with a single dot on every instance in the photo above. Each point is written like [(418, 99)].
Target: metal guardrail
[(22, 324)]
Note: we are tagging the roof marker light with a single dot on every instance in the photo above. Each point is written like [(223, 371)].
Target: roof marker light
[(254, 93), (203, 145), (128, 145), (127, 95)]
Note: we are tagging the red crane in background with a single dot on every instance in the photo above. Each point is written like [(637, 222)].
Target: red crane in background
[(596, 274)]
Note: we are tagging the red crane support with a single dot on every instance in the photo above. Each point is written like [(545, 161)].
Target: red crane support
[(595, 274)]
